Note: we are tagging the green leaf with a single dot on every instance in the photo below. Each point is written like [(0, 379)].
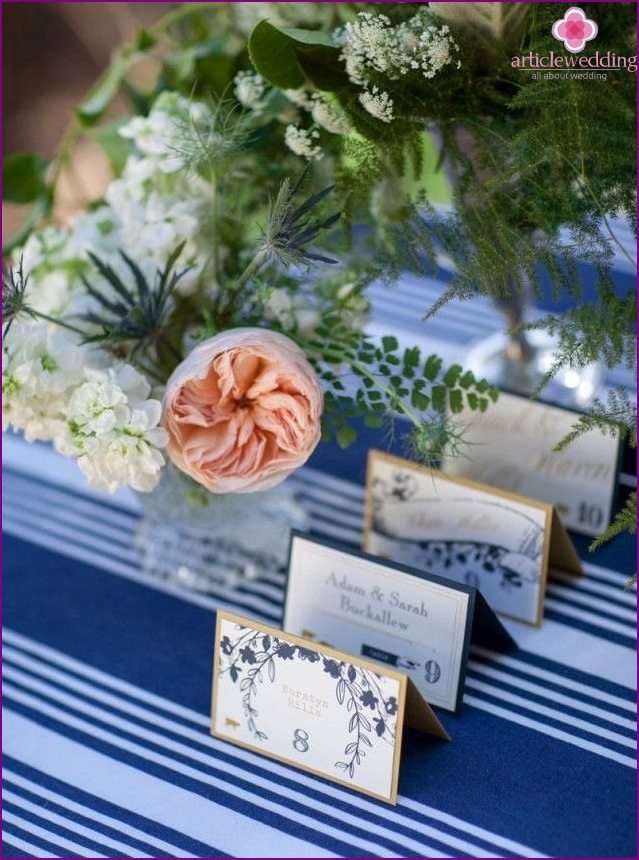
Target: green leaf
[(144, 40), (473, 400), (432, 367), (420, 401), (439, 398), (389, 343), (452, 375), (456, 401), (23, 178), (40, 208), (102, 94), (467, 379), (288, 57), (493, 393), (411, 357), (372, 420), (345, 436), (116, 148)]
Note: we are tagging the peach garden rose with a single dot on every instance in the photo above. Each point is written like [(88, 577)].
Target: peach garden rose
[(242, 411)]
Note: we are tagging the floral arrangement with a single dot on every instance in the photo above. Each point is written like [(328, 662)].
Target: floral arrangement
[(210, 308), (222, 214)]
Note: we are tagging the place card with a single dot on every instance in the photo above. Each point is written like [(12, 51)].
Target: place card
[(389, 613), (502, 543), (580, 481), (321, 710)]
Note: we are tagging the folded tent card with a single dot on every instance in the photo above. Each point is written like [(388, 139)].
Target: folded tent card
[(502, 543), (580, 481), (392, 614), (308, 705)]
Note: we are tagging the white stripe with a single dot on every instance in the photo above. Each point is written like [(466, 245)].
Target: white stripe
[(61, 679), (95, 676), (505, 660), (54, 818), (549, 730), (578, 649), (584, 583), (551, 713), (615, 577), (191, 814), (27, 847), (258, 782), (15, 779), (49, 836), (590, 618), (557, 698), (69, 548), (581, 599)]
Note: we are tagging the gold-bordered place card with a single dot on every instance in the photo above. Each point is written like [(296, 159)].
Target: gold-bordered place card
[(389, 613), (326, 712), (580, 481), (502, 543)]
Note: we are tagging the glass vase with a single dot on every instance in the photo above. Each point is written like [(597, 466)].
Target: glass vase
[(208, 542)]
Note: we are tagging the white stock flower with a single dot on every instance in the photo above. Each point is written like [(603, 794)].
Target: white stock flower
[(40, 366), (113, 430), (300, 141)]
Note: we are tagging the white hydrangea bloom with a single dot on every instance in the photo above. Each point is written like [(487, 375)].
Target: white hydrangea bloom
[(41, 364), (300, 141), (378, 104), (113, 429), (250, 90)]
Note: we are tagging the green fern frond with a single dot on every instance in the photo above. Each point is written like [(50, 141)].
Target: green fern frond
[(625, 521)]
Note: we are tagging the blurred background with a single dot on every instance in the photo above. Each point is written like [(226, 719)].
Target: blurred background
[(51, 55)]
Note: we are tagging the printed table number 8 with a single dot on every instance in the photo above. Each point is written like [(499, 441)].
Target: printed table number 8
[(300, 740)]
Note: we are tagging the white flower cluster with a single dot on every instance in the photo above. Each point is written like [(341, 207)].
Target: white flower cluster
[(301, 142), (372, 45), (250, 90), (378, 104), (102, 417), (294, 312)]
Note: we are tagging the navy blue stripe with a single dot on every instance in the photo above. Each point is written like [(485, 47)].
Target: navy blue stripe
[(8, 850), (104, 830), (593, 629), (59, 830), (200, 787), (528, 658), (49, 847), (546, 700), (200, 745), (572, 599), (156, 829)]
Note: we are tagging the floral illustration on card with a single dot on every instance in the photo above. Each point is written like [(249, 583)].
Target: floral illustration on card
[(253, 658), (449, 533)]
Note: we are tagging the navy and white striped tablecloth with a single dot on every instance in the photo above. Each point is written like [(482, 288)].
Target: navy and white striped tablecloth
[(106, 689)]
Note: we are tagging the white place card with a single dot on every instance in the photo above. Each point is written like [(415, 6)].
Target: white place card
[(389, 613), (318, 709), (580, 481), (502, 543)]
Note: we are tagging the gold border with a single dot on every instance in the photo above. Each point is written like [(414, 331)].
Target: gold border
[(331, 652), (547, 508)]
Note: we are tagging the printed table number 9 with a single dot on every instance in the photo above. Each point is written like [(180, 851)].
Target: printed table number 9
[(432, 672), (300, 740)]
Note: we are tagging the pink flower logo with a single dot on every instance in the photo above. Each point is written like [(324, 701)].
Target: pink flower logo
[(574, 30)]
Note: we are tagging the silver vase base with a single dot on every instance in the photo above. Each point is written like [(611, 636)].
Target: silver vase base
[(519, 365)]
